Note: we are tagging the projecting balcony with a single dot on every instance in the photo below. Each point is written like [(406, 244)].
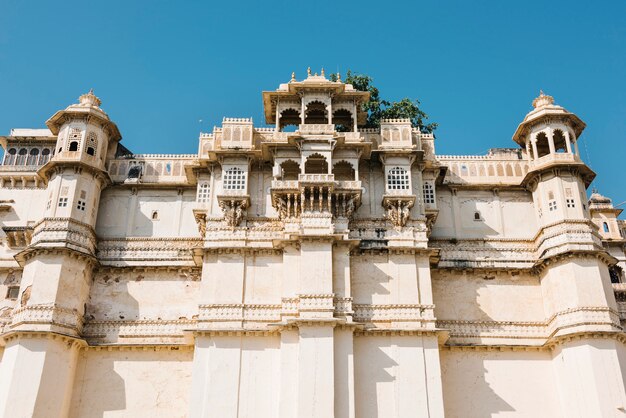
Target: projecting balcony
[(317, 179), (553, 158)]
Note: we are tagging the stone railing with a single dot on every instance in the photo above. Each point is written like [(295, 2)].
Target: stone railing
[(348, 185), (316, 129), (316, 178), (554, 158), (483, 170), (155, 168)]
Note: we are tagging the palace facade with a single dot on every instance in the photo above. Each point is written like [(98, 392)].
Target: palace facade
[(311, 269)]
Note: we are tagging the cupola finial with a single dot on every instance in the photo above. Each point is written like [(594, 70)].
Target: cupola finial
[(543, 100), (89, 99)]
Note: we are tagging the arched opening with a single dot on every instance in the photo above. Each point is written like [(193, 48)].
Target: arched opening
[(10, 157), (32, 156), (543, 148), (316, 113), (616, 274), (289, 120), (477, 216), (559, 141), (290, 170), (397, 179), (73, 146), (605, 227), (343, 171), (134, 172), (92, 143), (155, 215), (343, 120), (316, 164), (45, 155), (21, 156)]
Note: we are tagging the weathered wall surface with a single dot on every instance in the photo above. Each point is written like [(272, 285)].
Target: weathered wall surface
[(150, 382), (119, 295)]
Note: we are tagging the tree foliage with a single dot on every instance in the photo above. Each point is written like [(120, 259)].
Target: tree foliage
[(378, 108)]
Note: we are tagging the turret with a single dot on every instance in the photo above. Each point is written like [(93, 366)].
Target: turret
[(76, 174), (557, 176)]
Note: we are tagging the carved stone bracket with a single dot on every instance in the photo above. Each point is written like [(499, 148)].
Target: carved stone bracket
[(398, 208), (234, 209), (200, 217)]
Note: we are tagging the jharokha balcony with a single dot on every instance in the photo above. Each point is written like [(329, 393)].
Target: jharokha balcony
[(315, 195)]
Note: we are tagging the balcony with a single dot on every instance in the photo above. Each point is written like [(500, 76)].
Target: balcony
[(554, 158)]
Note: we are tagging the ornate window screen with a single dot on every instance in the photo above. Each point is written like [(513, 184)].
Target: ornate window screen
[(92, 143), (234, 179), (397, 179), (204, 192), (429, 193)]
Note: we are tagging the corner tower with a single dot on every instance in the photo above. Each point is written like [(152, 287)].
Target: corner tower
[(45, 333), (572, 265)]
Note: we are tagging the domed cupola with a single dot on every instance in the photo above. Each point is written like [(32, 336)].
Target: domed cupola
[(549, 133), (85, 133)]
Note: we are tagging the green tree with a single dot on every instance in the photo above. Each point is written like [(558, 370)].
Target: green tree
[(378, 108)]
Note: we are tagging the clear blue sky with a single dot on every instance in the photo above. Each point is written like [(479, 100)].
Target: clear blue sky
[(161, 66)]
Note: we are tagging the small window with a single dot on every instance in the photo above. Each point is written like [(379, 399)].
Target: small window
[(552, 205), (234, 179), (605, 227), (63, 202), (203, 192), (397, 179), (13, 292), (73, 146), (429, 193), (570, 203), (477, 216), (134, 172), (81, 205), (155, 215), (92, 143)]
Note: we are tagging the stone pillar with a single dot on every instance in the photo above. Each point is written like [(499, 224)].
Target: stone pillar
[(40, 358), (579, 299), (316, 380), (37, 375)]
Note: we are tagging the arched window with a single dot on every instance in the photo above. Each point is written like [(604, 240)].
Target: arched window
[(290, 170), (559, 141), (605, 227), (21, 157), (203, 194), (234, 179), (316, 164), (92, 143), (32, 156), (316, 112), (155, 215), (477, 216), (9, 159), (74, 139), (289, 117), (134, 172), (45, 155), (343, 120), (397, 179), (429, 193), (543, 148), (343, 171)]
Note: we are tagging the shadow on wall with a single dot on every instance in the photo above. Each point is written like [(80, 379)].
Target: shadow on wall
[(373, 380)]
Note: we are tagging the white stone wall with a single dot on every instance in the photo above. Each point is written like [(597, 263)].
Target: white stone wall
[(155, 382)]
